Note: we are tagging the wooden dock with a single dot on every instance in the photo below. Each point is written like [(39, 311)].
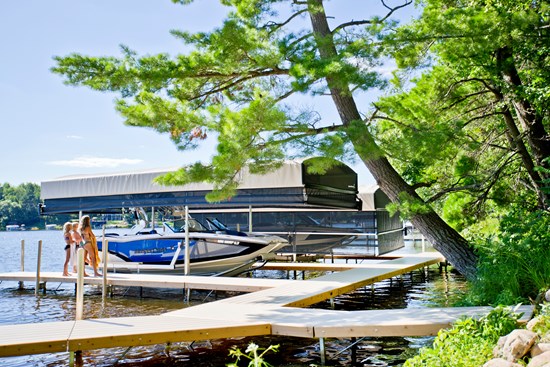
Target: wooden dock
[(155, 281), (276, 310)]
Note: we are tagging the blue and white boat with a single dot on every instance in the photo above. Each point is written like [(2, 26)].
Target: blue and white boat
[(210, 251)]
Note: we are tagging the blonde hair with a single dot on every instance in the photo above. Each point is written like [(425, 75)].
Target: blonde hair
[(67, 227)]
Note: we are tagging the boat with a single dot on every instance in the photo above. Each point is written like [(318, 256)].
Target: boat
[(212, 252), (304, 233), (307, 235), (13, 227)]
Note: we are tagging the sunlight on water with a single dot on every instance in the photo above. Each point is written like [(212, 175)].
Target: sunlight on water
[(58, 304)]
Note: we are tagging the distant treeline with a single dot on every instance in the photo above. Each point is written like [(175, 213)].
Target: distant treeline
[(19, 205)]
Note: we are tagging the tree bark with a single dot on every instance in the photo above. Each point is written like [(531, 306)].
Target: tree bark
[(443, 237), (517, 145), (531, 121)]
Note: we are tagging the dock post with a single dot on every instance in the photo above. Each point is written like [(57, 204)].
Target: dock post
[(80, 284), (38, 261), (322, 350), (250, 219), (104, 255), (21, 283), (353, 350), (79, 302), (187, 255)]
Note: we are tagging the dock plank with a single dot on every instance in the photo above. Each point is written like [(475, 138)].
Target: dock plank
[(63, 336), (156, 281), (341, 266), (25, 339), (302, 294), (118, 332), (376, 323)]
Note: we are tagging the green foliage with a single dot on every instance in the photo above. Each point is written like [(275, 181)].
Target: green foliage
[(469, 343), (407, 206), (253, 353), (514, 265), (453, 210), (455, 129), (19, 204), (239, 86), (542, 324)]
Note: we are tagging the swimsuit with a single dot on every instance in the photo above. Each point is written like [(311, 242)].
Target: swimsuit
[(67, 239)]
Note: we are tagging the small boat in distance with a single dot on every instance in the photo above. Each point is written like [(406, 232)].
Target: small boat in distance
[(13, 227), (212, 252)]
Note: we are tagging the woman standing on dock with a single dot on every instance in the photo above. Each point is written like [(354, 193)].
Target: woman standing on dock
[(77, 241), (67, 227), (90, 243)]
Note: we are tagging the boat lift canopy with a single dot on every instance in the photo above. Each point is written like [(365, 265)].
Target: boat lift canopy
[(291, 186)]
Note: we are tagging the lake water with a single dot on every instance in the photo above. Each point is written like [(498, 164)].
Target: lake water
[(58, 304)]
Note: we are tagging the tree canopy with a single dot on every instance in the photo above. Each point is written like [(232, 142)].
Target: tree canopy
[(473, 129), (19, 204), (245, 84)]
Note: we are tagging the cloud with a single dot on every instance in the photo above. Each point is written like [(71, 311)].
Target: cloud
[(96, 162), (76, 137)]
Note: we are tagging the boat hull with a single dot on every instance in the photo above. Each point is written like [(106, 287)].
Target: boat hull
[(308, 239), (210, 253)]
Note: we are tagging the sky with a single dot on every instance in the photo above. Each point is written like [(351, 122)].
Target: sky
[(51, 130)]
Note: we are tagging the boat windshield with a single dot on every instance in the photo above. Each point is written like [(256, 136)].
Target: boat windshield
[(194, 226), (215, 224), (179, 226)]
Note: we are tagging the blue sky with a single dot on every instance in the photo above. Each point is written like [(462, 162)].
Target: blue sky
[(51, 130)]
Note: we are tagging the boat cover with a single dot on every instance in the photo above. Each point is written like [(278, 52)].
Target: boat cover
[(291, 186)]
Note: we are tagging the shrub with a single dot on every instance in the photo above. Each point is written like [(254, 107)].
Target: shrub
[(513, 266), (469, 343)]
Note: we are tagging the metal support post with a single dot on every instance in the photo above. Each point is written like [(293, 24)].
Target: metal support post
[(105, 256), (322, 350), (21, 283), (38, 261)]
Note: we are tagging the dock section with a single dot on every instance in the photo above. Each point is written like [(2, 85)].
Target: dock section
[(155, 281), (276, 310)]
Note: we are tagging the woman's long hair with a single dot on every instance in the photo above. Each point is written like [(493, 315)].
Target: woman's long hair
[(85, 222)]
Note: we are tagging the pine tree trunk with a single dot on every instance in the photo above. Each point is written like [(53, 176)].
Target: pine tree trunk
[(443, 237), (531, 121)]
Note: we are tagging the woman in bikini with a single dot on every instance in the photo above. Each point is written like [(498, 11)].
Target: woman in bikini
[(90, 243), (67, 227), (77, 240)]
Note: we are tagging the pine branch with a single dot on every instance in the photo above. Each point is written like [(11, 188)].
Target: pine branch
[(354, 23)]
